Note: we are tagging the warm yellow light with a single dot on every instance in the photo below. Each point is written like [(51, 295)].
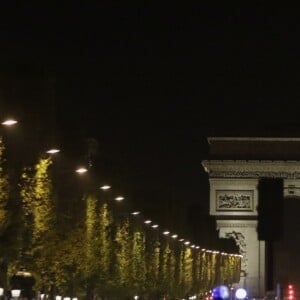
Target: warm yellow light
[(174, 236), (187, 243), (53, 151), (9, 122), (166, 232), (81, 170), (147, 221), (16, 293), (135, 213), (181, 240), (119, 198), (154, 226), (105, 187)]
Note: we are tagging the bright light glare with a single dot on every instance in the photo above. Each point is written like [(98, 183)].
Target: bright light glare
[(166, 232), (187, 243), (135, 213), (53, 151), (81, 170), (119, 198), (9, 122), (174, 236), (105, 187), (241, 293), (147, 221), (154, 226), (16, 293)]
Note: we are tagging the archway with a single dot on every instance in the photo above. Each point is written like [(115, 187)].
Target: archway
[(235, 167)]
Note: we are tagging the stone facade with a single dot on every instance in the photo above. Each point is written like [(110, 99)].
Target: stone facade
[(234, 200)]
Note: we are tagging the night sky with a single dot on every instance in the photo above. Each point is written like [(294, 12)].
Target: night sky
[(145, 85)]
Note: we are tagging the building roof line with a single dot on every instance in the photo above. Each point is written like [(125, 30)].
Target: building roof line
[(267, 139)]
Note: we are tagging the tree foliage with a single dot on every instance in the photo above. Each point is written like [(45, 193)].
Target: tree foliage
[(104, 253)]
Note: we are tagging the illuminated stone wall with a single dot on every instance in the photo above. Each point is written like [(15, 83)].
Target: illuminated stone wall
[(234, 200)]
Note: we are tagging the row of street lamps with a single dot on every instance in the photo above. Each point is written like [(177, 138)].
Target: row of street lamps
[(15, 293), (82, 170)]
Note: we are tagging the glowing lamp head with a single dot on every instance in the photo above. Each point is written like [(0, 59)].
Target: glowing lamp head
[(81, 170), (240, 293), (15, 293), (105, 187), (53, 151), (9, 122)]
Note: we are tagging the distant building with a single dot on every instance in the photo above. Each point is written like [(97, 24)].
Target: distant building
[(235, 168)]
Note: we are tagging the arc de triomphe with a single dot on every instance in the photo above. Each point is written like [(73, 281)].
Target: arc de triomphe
[(234, 167)]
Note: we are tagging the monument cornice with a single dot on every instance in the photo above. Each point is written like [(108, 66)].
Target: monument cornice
[(252, 168)]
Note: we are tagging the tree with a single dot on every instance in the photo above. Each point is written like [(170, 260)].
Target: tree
[(8, 228)]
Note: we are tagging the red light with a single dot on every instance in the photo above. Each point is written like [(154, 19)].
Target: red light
[(290, 292)]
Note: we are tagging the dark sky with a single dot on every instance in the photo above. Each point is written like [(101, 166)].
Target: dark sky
[(150, 82)]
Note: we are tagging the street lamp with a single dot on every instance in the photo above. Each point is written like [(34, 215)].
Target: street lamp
[(15, 293), (53, 151), (105, 187), (135, 213), (9, 122), (81, 170)]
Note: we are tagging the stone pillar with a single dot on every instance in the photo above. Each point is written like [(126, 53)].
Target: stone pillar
[(253, 251), (233, 202)]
